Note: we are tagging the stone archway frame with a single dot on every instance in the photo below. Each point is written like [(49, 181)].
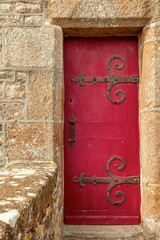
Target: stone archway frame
[(86, 18)]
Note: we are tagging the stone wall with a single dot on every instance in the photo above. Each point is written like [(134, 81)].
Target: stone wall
[(31, 106), (31, 82), (30, 204)]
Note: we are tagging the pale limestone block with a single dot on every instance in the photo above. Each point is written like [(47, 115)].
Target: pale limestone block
[(30, 47), (150, 75), (30, 141), (149, 147)]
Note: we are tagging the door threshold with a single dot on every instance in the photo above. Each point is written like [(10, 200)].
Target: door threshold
[(95, 232)]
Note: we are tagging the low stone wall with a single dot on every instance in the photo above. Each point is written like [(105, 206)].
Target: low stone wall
[(30, 204)]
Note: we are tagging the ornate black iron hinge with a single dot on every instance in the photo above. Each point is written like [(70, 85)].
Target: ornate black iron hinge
[(72, 130), (111, 79), (113, 180)]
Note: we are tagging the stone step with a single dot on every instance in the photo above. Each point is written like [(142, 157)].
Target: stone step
[(99, 232)]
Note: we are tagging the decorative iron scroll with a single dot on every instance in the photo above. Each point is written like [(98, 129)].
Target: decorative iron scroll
[(112, 79), (72, 130), (113, 180)]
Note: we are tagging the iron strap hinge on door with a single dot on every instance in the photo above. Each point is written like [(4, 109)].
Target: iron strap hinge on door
[(113, 180), (112, 79)]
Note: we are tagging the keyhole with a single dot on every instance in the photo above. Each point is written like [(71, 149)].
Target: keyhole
[(70, 100)]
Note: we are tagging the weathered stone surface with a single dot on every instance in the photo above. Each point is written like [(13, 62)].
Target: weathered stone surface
[(151, 205), (30, 47), (12, 111), (6, 75), (42, 96), (7, 20), (15, 91), (58, 108), (6, 8), (150, 145), (2, 87), (59, 48), (1, 59), (80, 232), (150, 33), (29, 202), (30, 141), (1, 139), (21, 77), (46, 96), (58, 143), (22, 7), (150, 75), (88, 13), (0, 42), (33, 20), (2, 158)]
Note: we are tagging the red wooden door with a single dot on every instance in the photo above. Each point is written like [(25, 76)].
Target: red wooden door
[(101, 168)]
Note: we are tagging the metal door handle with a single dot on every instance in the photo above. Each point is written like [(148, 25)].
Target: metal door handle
[(72, 131)]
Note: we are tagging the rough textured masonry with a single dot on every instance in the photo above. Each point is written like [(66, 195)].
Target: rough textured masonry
[(31, 108)]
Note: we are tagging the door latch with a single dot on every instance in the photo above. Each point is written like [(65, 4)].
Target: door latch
[(72, 131)]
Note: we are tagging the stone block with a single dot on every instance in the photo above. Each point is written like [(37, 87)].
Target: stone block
[(150, 145), (42, 96), (7, 20), (12, 111), (2, 158), (90, 14), (150, 75), (28, 196), (33, 20), (24, 7), (59, 103), (30, 47), (1, 59), (149, 34), (30, 141), (59, 48), (151, 206), (2, 88), (0, 42), (6, 8), (21, 77), (6, 75), (58, 143), (15, 91), (1, 139)]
